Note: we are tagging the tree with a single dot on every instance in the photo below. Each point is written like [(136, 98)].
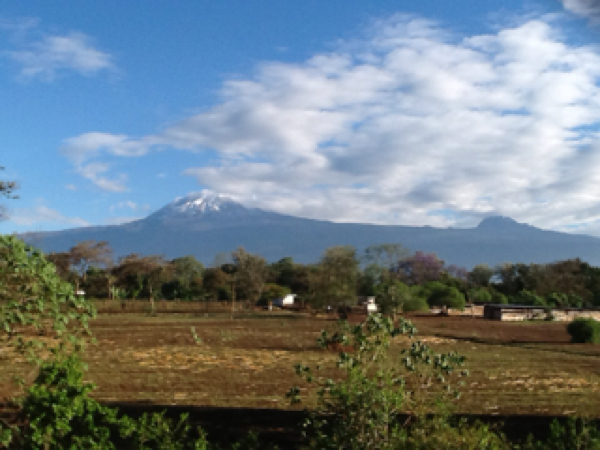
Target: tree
[(214, 281), (481, 275), (480, 295), (62, 262), (392, 295), (386, 256), (6, 190), (421, 268), (187, 277), (334, 282), (439, 294), (147, 273), (509, 279), (251, 274), (526, 297), (85, 254), (274, 291)]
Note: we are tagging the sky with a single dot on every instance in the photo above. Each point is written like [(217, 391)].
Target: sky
[(391, 112)]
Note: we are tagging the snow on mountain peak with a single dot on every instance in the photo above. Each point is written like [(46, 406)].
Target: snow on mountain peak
[(200, 202)]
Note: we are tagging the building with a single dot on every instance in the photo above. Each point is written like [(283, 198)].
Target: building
[(286, 301), (368, 303), (517, 313)]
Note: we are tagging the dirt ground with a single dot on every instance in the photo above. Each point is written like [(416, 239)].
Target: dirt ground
[(247, 362)]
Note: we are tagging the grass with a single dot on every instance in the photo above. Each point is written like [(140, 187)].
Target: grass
[(248, 361)]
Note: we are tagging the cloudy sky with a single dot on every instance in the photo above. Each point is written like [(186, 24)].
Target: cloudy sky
[(418, 113)]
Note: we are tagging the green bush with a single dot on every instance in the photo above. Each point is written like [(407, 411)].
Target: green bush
[(499, 298), (361, 409), (442, 295), (584, 331), (526, 297), (572, 433), (480, 295), (416, 304)]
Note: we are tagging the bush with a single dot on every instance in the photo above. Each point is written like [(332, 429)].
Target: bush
[(416, 304), (442, 295), (526, 297), (361, 409), (584, 331), (499, 298), (480, 295), (576, 433)]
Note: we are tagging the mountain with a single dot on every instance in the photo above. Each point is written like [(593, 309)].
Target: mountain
[(207, 224)]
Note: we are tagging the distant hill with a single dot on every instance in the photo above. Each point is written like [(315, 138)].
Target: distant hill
[(204, 225)]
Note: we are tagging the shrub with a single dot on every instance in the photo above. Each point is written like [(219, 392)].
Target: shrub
[(480, 295), (584, 331), (499, 298), (526, 297), (442, 295), (58, 413), (572, 433), (361, 409), (416, 304)]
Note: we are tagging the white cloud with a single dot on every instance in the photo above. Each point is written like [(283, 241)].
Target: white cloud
[(585, 8), (128, 204), (41, 214), (50, 55), (412, 125), (93, 170), (82, 150), (121, 220)]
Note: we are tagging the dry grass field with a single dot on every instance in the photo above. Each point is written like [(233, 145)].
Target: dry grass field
[(516, 368)]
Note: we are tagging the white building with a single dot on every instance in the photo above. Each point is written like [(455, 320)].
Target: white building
[(282, 302)]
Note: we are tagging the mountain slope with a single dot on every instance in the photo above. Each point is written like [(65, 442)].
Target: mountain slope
[(207, 224)]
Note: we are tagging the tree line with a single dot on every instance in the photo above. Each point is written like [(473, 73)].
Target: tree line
[(401, 280)]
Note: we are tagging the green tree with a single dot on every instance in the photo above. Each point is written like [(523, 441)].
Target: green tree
[(87, 254), (145, 274), (187, 278), (251, 274), (481, 275), (509, 279), (273, 291), (334, 282), (393, 295), (526, 297), (439, 294), (480, 295), (214, 281)]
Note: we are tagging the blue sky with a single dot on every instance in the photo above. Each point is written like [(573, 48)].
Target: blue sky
[(419, 113)]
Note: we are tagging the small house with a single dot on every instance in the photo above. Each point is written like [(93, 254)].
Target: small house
[(286, 301), (368, 303)]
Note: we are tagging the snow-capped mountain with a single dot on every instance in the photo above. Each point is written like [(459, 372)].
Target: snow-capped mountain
[(206, 223), (208, 210), (202, 202)]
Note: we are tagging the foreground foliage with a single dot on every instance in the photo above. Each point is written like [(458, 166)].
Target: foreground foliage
[(362, 409)]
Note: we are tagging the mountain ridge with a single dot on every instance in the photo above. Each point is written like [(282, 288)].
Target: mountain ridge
[(205, 224)]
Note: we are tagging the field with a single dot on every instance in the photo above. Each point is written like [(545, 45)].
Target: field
[(247, 362)]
